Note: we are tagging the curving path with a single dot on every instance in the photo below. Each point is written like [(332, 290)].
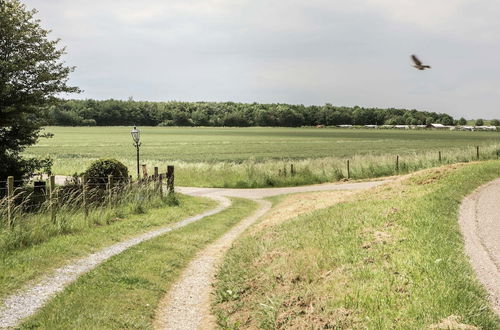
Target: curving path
[(29, 300), (187, 305), (480, 226)]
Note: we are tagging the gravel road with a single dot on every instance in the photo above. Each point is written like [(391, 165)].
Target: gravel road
[(28, 300), (187, 305), (260, 193), (480, 226)]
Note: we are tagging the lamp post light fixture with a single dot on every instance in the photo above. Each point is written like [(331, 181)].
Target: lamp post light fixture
[(136, 136)]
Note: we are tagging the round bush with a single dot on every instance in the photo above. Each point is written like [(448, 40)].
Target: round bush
[(98, 171)]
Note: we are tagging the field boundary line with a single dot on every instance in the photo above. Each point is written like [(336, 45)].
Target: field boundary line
[(27, 301)]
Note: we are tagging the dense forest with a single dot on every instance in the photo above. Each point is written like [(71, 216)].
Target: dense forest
[(116, 112)]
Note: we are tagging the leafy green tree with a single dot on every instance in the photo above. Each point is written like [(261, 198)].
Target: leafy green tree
[(479, 122), (462, 121), (31, 75), (495, 122)]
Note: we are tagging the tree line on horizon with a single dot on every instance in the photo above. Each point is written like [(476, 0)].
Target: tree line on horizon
[(118, 112)]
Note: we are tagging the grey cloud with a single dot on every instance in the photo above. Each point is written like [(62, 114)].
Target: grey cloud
[(344, 52)]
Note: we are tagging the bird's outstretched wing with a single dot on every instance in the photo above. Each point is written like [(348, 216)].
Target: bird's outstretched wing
[(416, 60)]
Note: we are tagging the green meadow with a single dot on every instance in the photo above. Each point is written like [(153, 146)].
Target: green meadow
[(259, 156)]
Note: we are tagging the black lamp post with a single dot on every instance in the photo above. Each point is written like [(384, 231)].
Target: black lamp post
[(136, 136)]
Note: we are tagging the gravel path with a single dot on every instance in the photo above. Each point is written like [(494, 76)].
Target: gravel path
[(26, 302), (268, 192), (480, 226), (187, 305)]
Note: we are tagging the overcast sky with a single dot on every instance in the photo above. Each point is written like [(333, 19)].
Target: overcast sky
[(352, 52)]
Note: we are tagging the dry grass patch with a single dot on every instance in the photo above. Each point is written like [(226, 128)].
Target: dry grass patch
[(296, 204)]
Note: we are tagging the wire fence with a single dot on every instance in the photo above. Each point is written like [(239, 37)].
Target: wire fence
[(19, 198)]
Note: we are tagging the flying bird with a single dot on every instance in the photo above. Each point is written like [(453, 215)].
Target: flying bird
[(419, 64)]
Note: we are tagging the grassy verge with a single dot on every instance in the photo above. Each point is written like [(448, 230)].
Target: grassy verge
[(17, 267), (391, 258), (277, 173), (124, 292), (34, 227)]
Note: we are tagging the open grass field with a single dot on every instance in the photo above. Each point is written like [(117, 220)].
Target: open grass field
[(251, 157)]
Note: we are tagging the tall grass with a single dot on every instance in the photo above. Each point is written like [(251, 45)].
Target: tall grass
[(276, 173), (32, 223)]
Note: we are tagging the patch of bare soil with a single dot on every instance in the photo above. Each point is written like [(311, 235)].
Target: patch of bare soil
[(452, 322)]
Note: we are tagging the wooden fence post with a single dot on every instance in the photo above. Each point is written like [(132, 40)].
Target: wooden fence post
[(439, 156), (397, 163), (348, 170), (52, 197), (10, 199), (477, 152), (170, 179), (144, 172), (292, 170), (84, 196), (156, 172)]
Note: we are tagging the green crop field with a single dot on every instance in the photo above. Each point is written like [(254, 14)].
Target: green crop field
[(252, 157)]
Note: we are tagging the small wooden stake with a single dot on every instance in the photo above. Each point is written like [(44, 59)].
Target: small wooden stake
[(144, 172), (170, 179), (292, 171), (10, 199), (477, 152), (439, 156), (397, 163), (348, 170)]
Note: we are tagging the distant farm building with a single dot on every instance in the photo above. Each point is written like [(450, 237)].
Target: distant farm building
[(344, 126), (486, 128), (402, 126), (371, 126)]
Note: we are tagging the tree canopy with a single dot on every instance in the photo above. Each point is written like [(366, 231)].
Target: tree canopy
[(31, 76), (174, 113)]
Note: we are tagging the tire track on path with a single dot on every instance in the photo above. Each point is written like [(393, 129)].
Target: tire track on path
[(29, 300), (187, 304)]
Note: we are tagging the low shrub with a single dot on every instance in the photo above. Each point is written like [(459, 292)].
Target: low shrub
[(97, 173)]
